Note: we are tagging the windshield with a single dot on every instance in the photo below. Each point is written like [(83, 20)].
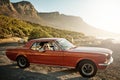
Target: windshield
[(65, 44)]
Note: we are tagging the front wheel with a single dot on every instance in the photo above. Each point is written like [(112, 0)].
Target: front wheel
[(87, 69), (22, 62)]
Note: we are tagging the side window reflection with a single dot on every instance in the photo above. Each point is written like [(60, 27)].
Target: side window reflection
[(36, 46), (43, 46), (55, 46)]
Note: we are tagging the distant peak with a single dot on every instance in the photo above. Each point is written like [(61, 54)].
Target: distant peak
[(55, 12), (52, 13), (23, 2)]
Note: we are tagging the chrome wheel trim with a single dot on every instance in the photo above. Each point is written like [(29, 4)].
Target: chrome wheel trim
[(22, 61), (87, 69)]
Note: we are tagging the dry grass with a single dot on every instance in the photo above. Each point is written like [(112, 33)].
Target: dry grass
[(13, 39)]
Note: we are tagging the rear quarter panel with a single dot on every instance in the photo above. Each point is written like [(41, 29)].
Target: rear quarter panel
[(12, 54)]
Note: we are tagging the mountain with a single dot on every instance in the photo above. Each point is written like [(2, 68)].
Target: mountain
[(74, 23), (25, 10), (6, 8)]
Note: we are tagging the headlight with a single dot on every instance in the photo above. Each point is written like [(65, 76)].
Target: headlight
[(106, 61), (107, 57)]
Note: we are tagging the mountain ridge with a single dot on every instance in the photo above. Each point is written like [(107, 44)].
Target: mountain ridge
[(74, 23), (25, 10)]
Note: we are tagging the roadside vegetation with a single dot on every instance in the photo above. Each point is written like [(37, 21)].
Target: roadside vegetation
[(11, 27)]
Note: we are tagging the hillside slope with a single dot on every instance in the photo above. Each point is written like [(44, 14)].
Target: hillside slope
[(73, 23), (11, 27)]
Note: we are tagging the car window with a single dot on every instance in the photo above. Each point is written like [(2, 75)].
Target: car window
[(42, 46), (50, 46), (55, 46), (65, 44), (36, 46)]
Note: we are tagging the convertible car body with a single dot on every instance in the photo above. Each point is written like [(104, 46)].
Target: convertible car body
[(60, 52)]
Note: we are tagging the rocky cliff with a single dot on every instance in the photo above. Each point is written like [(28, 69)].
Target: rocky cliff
[(23, 10), (6, 8)]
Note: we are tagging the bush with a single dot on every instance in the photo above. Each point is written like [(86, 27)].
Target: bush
[(38, 33), (10, 27)]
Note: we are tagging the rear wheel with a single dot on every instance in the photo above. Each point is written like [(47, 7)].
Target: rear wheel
[(22, 62), (87, 69)]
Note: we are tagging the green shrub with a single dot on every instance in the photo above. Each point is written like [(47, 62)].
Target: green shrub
[(38, 33)]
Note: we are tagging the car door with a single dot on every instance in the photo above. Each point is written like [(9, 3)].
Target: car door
[(50, 57)]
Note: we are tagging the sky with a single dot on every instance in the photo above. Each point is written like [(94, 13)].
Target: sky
[(103, 14)]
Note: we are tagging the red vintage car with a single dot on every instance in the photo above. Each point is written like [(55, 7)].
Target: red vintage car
[(60, 52)]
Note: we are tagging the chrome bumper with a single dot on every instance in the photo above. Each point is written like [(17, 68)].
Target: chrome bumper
[(106, 64)]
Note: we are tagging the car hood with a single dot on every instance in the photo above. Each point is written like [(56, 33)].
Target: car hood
[(91, 50)]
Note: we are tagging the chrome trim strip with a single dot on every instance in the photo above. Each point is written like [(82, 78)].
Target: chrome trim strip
[(106, 64)]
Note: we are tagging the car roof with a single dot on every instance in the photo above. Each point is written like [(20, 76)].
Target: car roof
[(29, 43), (47, 39)]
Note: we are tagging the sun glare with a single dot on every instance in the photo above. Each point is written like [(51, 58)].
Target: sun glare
[(104, 14)]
